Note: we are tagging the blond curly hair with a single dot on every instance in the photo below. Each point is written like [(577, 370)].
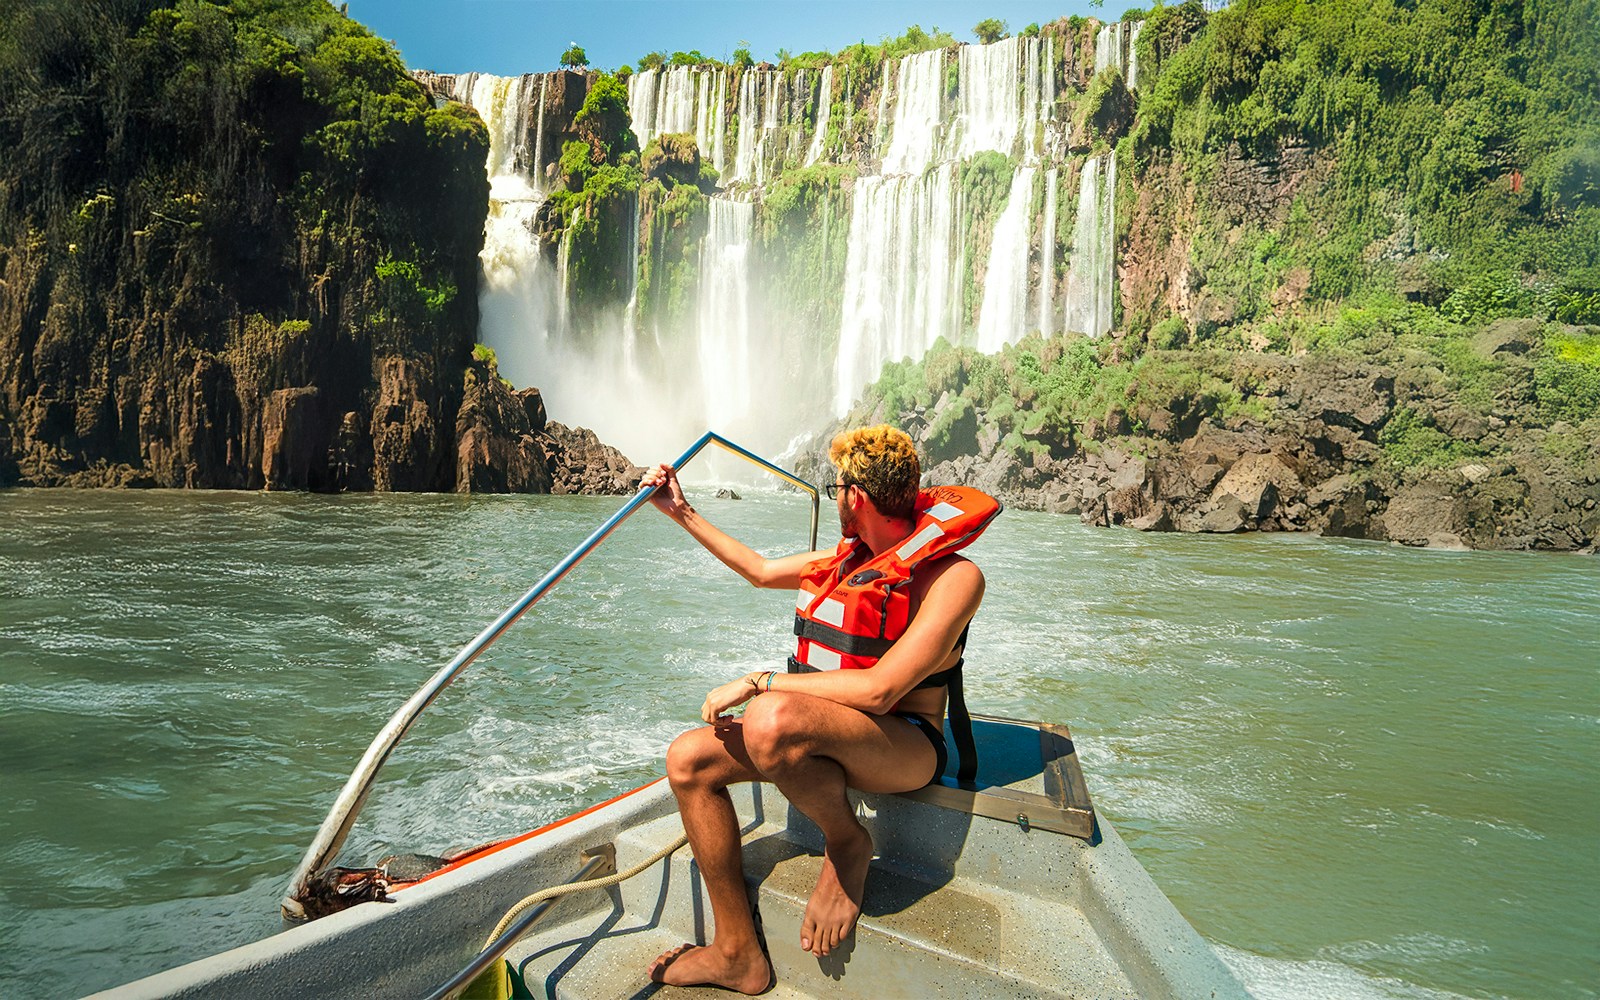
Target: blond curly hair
[(883, 461)]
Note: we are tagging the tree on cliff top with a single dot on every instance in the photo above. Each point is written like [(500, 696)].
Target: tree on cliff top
[(575, 57), (990, 30)]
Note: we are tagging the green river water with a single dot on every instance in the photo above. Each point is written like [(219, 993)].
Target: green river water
[(1359, 771)]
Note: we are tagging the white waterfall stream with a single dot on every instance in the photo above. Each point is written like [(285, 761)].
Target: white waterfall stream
[(1047, 257), (687, 99), (824, 108), (1089, 280), (1001, 318), (728, 380), (918, 111), (902, 287)]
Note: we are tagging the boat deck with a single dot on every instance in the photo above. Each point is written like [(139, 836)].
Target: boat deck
[(979, 895), (921, 934), (984, 893)]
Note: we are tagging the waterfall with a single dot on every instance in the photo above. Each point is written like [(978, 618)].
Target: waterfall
[(1108, 47), (1005, 287), (1047, 257), (517, 296), (769, 123), (1133, 54), (904, 277), (675, 99), (849, 100), (744, 150), (902, 287), (1047, 79), (1114, 46), (918, 110), (502, 103), (1001, 96), (709, 126), (732, 362), (726, 374), (1091, 274), (795, 112), (824, 108), (642, 104), (538, 137)]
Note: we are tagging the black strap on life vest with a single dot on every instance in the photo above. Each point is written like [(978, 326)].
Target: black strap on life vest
[(961, 729), (844, 642)]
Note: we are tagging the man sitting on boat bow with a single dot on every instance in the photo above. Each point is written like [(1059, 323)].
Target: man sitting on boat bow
[(889, 607)]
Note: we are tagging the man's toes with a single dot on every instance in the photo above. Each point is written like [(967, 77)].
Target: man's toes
[(666, 958)]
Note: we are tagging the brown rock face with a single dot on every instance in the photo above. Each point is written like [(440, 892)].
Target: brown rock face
[(580, 463), (406, 448), (496, 447), (505, 444), (1320, 462), (294, 440), (1426, 513)]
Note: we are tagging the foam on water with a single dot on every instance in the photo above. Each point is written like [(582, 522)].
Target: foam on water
[(1320, 979), (1305, 773)]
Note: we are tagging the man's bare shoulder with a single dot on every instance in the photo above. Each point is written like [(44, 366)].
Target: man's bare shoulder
[(950, 573)]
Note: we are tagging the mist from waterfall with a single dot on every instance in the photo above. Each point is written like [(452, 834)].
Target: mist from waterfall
[(592, 378)]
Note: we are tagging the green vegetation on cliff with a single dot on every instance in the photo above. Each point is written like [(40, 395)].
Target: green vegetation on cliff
[(1463, 136), (182, 179)]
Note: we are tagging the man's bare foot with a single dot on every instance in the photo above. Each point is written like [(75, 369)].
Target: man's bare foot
[(836, 901), (693, 965)]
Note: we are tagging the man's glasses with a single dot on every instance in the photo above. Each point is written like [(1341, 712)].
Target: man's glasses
[(833, 489)]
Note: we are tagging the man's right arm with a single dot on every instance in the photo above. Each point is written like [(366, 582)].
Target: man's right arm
[(780, 573)]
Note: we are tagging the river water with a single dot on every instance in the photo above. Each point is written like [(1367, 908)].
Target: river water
[(1359, 771)]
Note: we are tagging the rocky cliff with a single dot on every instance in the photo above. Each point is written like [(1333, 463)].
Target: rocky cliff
[(506, 444), (239, 249)]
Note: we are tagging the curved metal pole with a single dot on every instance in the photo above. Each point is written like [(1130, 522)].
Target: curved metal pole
[(336, 827)]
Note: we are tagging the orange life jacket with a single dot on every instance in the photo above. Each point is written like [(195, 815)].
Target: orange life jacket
[(848, 619)]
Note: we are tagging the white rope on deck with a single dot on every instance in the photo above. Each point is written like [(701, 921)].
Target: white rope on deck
[(555, 891)]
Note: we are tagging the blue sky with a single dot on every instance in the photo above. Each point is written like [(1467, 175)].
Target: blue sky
[(507, 37)]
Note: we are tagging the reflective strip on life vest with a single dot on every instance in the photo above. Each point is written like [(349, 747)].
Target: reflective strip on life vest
[(822, 657), (830, 611), (928, 533)]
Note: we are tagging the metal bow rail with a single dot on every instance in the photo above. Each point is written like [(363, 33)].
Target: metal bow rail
[(331, 836)]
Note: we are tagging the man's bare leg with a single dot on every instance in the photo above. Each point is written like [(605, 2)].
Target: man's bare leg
[(813, 750), (701, 764)]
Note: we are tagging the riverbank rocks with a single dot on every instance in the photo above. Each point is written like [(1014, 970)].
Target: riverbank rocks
[(1316, 454), (1427, 513), (506, 444)]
